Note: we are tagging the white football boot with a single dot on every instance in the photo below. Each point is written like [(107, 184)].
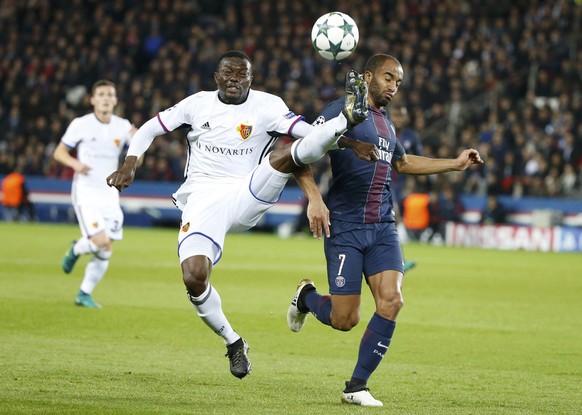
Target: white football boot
[(362, 398), (295, 317)]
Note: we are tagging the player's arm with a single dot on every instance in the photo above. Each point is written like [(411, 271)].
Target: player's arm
[(132, 132), (362, 150), (317, 212), (140, 142), (410, 164), (62, 154)]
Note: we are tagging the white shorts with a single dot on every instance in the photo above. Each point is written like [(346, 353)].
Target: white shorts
[(96, 218), (211, 209)]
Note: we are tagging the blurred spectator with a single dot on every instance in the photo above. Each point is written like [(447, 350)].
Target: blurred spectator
[(415, 214), (484, 73), (568, 180), (410, 140), (493, 213), (16, 205), (443, 208)]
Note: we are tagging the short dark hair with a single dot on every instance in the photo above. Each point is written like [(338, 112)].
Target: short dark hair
[(377, 60), (101, 82), (233, 54)]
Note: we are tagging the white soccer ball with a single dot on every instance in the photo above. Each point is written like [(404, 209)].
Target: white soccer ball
[(335, 35)]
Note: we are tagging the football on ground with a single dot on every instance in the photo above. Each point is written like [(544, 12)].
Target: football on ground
[(335, 35)]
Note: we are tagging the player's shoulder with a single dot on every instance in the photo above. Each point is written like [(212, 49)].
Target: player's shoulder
[(264, 97), (119, 120), (199, 98), (332, 109), (202, 96), (86, 118), (83, 120)]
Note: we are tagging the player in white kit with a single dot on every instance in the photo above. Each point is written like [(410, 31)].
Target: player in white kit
[(233, 176), (99, 139)]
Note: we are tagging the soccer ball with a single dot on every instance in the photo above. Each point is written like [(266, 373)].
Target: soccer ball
[(335, 35)]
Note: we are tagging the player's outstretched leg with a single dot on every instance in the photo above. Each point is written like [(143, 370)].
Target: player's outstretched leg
[(358, 395), (297, 311), (238, 355), (70, 259), (323, 137), (356, 105)]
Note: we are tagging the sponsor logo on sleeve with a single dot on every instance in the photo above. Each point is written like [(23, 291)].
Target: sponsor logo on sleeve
[(320, 120)]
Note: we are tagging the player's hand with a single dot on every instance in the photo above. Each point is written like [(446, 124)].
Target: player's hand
[(120, 179), (318, 216), (123, 177), (469, 157), (366, 151), (82, 168)]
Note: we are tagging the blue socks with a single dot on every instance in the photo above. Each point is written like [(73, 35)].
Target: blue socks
[(374, 343), (373, 346), (319, 305)]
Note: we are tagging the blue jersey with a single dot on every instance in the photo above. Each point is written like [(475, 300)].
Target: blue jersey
[(360, 191)]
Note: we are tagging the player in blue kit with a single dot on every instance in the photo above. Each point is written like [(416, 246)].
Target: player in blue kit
[(364, 240)]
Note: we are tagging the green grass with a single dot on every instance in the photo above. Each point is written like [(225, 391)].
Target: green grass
[(482, 332)]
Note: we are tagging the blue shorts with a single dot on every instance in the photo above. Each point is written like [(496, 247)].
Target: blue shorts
[(354, 250)]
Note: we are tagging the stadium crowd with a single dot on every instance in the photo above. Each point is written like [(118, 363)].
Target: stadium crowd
[(505, 78)]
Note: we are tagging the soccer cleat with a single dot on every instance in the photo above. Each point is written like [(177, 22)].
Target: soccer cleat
[(356, 104), (69, 259), (295, 316), (238, 355), (85, 300), (408, 265), (363, 397)]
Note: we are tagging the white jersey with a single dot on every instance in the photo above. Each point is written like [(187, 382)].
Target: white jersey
[(99, 146), (227, 141)]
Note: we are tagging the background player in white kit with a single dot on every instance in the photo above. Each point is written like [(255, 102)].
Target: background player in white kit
[(227, 187), (99, 139)]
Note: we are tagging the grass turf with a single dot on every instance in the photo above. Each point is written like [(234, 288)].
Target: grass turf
[(482, 332)]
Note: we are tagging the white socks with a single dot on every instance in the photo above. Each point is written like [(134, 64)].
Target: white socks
[(84, 246), (94, 272), (319, 141), (96, 268), (209, 308)]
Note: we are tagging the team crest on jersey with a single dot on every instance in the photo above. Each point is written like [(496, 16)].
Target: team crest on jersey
[(95, 225), (117, 142), (340, 281), (186, 227), (244, 131)]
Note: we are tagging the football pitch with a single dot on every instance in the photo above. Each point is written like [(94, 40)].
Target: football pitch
[(482, 332)]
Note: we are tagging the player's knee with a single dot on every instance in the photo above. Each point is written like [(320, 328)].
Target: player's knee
[(195, 275), (103, 254), (391, 305), (345, 322), (102, 241)]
